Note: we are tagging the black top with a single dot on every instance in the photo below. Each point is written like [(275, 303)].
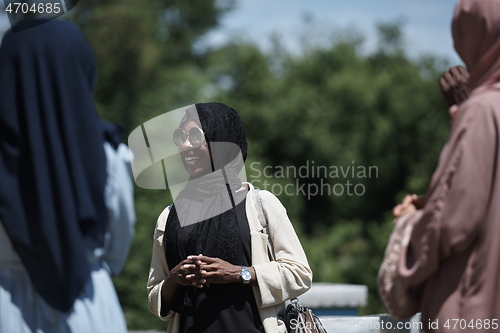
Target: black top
[(220, 308)]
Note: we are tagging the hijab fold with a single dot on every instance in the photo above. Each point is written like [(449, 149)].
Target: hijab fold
[(476, 32)]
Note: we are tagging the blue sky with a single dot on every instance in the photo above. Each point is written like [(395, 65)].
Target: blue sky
[(426, 23)]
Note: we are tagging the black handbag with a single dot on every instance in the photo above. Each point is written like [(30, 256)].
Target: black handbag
[(297, 318), (300, 319)]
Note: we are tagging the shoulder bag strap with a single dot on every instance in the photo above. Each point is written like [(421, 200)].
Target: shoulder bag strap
[(263, 223)]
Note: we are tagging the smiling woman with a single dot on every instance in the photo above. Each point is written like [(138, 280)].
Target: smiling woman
[(193, 148), (210, 270)]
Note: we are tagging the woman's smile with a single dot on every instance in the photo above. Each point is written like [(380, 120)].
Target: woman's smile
[(196, 159), (191, 159)]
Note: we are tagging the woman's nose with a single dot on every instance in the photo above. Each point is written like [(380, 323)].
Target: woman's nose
[(186, 145)]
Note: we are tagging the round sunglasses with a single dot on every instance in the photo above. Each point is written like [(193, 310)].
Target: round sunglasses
[(196, 136)]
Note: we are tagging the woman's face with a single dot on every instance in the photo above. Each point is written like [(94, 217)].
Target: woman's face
[(196, 159)]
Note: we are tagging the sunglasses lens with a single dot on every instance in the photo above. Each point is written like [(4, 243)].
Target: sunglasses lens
[(179, 137), (195, 135)]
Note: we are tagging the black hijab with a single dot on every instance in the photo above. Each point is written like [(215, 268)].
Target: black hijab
[(52, 161), (218, 236)]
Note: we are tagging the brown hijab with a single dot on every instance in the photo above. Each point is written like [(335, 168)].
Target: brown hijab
[(476, 34)]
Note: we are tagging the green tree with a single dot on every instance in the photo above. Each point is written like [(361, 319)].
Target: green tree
[(140, 45)]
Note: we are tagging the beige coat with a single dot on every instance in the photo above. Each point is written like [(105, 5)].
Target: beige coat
[(287, 277)]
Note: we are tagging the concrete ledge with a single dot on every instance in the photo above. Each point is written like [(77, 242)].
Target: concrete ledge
[(334, 295)]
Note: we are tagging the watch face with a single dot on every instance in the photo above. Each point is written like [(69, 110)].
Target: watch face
[(246, 275)]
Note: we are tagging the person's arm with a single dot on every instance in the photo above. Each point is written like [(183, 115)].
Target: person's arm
[(290, 275), (454, 85), (455, 88), (163, 282), (456, 206), (119, 197), (216, 270), (158, 271), (186, 273)]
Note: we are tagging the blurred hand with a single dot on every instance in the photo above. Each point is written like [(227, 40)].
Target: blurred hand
[(455, 86), (215, 270), (188, 273), (409, 205)]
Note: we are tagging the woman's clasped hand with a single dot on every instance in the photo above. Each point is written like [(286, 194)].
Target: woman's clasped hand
[(200, 270), (188, 273)]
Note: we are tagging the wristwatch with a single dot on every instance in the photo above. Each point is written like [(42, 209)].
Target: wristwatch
[(246, 275)]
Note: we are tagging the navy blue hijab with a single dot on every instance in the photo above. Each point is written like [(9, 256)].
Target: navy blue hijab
[(52, 161)]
